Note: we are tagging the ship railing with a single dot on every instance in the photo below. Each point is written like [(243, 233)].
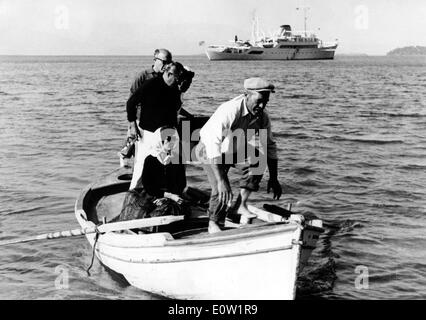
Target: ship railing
[(217, 46)]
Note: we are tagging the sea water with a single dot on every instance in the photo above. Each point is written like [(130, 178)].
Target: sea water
[(351, 134)]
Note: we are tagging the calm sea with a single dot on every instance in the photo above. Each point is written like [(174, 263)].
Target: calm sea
[(352, 149)]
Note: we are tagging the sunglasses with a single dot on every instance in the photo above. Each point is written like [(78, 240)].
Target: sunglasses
[(163, 61)]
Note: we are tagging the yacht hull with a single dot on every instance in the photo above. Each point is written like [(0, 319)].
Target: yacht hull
[(258, 53)]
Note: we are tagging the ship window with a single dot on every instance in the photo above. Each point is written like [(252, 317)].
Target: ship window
[(255, 52)]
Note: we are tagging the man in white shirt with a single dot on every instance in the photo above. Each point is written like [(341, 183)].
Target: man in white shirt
[(224, 142)]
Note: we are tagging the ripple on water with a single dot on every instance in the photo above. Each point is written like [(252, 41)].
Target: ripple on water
[(351, 144)]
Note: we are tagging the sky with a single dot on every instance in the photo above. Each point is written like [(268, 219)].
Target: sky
[(137, 27)]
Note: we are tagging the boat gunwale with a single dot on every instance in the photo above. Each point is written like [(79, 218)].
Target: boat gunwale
[(222, 237), (213, 257)]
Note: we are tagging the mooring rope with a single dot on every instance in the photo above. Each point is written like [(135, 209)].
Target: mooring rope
[(94, 251)]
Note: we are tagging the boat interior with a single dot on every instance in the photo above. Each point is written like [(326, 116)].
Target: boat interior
[(102, 202)]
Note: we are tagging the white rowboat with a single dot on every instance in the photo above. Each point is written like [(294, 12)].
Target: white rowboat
[(182, 261)]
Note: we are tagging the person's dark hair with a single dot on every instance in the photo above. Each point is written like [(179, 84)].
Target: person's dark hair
[(186, 79), (178, 68), (184, 75)]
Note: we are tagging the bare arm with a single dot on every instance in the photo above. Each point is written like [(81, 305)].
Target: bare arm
[(223, 186), (272, 162)]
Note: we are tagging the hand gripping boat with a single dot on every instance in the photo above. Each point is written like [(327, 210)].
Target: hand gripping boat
[(182, 261)]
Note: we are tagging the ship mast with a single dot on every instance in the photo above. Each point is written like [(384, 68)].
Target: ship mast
[(255, 28), (305, 10)]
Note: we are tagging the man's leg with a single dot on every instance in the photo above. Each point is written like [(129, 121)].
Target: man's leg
[(216, 211), (243, 209), (248, 184)]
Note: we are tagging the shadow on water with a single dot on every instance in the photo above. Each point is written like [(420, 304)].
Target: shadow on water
[(317, 279)]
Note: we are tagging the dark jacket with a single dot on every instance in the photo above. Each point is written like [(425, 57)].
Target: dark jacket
[(160, 105), (157, 178), (141, 78)]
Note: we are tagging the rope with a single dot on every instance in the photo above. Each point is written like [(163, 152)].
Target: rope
[(94, 250)]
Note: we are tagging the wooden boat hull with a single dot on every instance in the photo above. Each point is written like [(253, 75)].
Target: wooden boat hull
[(254, 262)]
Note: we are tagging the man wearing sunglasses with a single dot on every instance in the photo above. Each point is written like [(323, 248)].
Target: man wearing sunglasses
[(162, 57), (160, 102)]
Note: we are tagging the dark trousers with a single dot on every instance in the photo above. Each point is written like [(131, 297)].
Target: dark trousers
[(216, 212)]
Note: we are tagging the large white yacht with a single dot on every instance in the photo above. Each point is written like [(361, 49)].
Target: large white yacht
[(284, 45)]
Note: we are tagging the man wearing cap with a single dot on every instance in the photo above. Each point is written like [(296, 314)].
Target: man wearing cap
[(245, 114)]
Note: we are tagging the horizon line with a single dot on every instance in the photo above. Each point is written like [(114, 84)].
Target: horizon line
[(149, 55), (91, 55)]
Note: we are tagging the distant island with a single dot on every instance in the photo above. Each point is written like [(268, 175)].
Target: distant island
[(408, 51)]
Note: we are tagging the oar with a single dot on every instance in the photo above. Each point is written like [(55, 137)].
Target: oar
[(108, 227)]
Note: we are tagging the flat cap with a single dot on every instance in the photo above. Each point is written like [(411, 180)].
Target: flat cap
[(258, 84)]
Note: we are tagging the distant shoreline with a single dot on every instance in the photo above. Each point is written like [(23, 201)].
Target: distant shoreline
[(408, 51), (149, 55), (94, 55), (181, 55)]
